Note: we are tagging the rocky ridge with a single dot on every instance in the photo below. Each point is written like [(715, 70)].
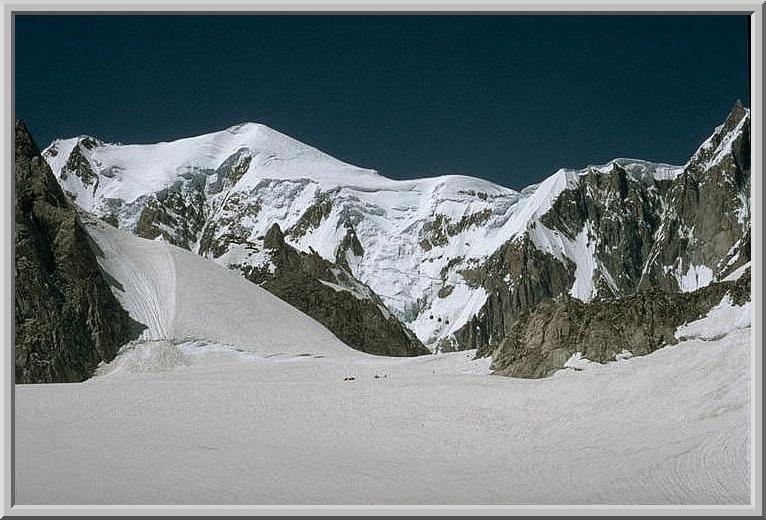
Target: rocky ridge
[(546, 336), (623, 229), (67, 320)]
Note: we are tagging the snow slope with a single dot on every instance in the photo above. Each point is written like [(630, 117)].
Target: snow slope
[(201, 423), (721, 320), (179, 295)]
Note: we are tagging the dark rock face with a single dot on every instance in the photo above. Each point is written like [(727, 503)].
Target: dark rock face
[(313, 216), (623, 213), (219, 234), (648, 233), (438, 231), (329, 294), (544, 337), (177, 215), (350, 245), (707, 217), (623, 210), (67, 320), (78, 165), (517, 277)]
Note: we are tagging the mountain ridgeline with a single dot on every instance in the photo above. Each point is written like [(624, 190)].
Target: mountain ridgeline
[(449, 262), (625, 229)]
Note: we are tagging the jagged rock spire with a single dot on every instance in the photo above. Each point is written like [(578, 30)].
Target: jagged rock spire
[(25, 143), (738, 111), (274, 237)]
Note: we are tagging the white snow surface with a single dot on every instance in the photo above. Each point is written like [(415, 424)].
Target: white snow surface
[(581, 251), (695, 277), (578, 362), (721, 320), (196, 422), (179, 295), (146, 168), (738, 272)]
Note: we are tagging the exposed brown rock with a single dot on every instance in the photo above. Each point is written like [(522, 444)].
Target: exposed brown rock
[(545, 336), (67, 319)]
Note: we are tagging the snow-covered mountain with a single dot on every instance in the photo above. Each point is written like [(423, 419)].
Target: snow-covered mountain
[(219, 194), (454, 258)]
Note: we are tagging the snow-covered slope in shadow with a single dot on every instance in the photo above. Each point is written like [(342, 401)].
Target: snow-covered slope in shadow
[(179, 295)]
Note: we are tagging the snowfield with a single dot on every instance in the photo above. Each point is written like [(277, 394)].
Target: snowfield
[(179, 295), (198, 422)]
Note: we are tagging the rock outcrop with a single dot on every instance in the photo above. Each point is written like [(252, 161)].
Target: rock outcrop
[(544, 337), (517, 277), (330, 295), (67, 320)]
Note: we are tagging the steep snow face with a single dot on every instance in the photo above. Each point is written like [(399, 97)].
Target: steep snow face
[(219, 193), (180, 296)]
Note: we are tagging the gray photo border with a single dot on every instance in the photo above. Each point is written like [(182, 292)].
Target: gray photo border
[(753, 7)]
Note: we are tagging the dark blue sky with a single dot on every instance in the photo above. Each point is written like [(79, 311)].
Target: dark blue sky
[(507, 98)]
